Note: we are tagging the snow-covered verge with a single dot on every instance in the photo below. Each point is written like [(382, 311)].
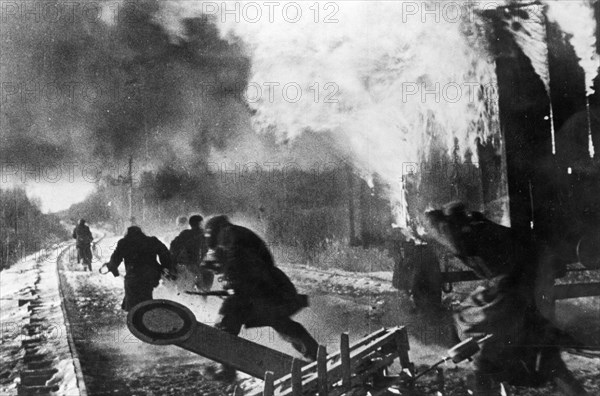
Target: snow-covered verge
[(35, 351), (341, 282)]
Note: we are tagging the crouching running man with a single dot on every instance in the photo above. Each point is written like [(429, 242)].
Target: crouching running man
[(525, 349), (262, 294)]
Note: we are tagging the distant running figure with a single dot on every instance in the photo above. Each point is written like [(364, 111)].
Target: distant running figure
[(84, 238)]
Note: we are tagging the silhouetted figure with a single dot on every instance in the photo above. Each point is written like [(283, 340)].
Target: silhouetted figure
[(524, 350), (416, 271), (263, 294), (84, 238), (188, 250), (143, 271)]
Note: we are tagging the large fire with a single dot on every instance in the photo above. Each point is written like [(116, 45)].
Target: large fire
[(385, 78)]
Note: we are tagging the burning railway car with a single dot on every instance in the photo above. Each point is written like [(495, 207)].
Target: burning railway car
[(541, 174)]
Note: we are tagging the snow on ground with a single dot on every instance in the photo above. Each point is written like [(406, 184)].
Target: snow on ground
[(30, 310)]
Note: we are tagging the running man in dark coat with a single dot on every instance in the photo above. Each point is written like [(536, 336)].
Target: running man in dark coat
[(143, 271), (524, 348), (188, 250), (84, 238), (262, 294)]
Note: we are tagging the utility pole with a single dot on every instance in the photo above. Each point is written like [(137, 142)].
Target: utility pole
[(130, 180), (350, 189), (143, 191)]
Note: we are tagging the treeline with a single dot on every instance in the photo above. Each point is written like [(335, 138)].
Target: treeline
[(305, 215), (292, 208), (24, 229)]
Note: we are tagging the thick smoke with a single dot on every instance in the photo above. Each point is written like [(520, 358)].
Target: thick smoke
[(105, 83), (383, 78), (171, 82)]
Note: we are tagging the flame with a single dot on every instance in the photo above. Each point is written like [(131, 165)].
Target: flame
[(383, 81), (576, 18)]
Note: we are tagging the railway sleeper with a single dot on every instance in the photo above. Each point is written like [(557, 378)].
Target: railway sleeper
[(23, 301), (35, 357), (33, 340), (35, 350), (34, 379), (40, 364), (25, 390), (47, 371), (33, 329)]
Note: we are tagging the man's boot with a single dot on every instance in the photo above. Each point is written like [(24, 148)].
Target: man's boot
[(566, 382), (226, 374), (482, 385)]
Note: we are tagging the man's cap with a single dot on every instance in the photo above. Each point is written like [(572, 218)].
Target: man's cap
[(134, 230), (196, 219), (217, 222)]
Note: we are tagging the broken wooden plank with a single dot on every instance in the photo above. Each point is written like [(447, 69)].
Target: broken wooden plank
[(345, 355), (334, 372), (268, 388), (296, 378), (322, 370), (284, 382)]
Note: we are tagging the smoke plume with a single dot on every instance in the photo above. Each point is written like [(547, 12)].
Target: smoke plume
[(106, 82)]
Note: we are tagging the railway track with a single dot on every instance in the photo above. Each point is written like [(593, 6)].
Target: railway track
[(38, 346), (114, 362), (37, 333)]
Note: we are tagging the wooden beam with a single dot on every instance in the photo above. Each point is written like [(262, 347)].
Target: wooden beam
[(361, 377), (346, 362), (322, 370), (309, 385), (296, 377), (363, 341), (576, 290), (284, 382), (394, 340), (269, 389), (357, 356)]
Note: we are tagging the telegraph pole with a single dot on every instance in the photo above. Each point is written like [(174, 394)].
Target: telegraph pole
[(350, 189), (130, 180), (143, 191)]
